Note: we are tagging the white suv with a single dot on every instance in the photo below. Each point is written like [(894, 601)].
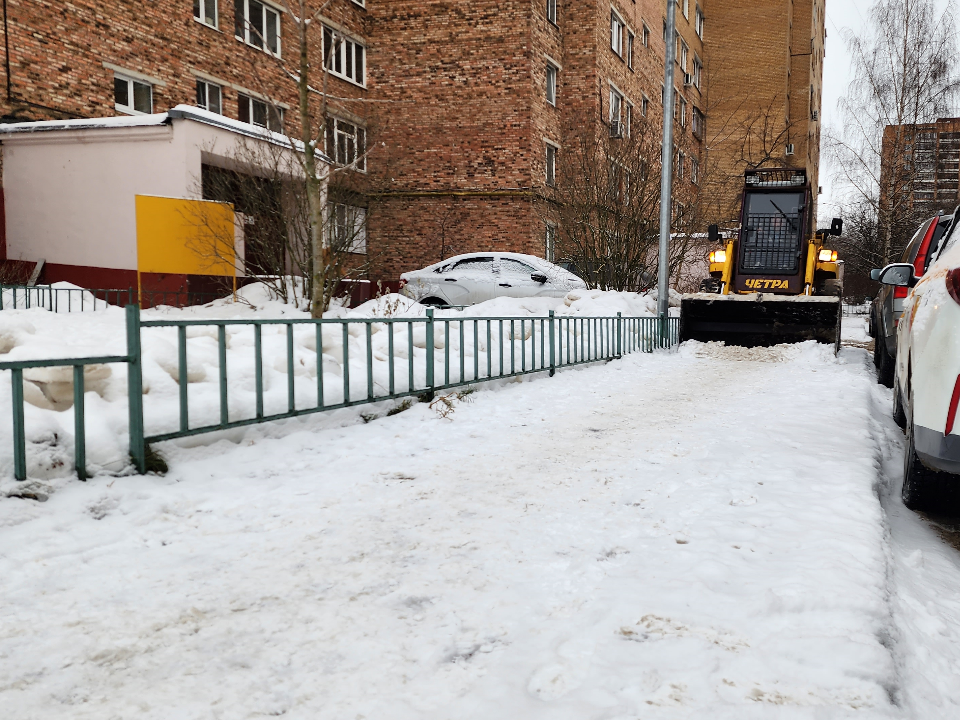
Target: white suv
[(476, 277), (926, 389)]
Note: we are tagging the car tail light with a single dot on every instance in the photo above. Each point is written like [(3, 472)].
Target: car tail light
[(901, 292), (953, 284), (952, 411)]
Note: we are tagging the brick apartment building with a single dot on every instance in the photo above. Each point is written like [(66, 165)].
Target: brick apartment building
[(923, 161), (463, 107), (765, 70)]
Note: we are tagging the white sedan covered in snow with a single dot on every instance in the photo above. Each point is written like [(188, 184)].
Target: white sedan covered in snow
[(926, 389), (477, 277)]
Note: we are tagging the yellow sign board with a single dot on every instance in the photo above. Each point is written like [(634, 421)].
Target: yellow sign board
[(188, 237)]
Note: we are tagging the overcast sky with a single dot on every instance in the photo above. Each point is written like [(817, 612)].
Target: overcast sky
[(841, 14)]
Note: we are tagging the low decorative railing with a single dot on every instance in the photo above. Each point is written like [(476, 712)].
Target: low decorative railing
[(415, 356)]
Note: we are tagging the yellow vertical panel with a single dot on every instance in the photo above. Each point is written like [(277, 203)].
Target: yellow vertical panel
[(189, 237)]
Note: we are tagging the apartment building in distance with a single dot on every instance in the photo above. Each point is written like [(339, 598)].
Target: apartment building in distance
[(765, 71), (922, 162), (462, 111)]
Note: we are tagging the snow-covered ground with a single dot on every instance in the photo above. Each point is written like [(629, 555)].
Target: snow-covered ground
[(704, 533)]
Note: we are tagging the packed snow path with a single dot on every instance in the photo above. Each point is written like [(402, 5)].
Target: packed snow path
[(671, 536)]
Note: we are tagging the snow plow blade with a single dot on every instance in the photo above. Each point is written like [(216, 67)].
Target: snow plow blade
[(760, 320)]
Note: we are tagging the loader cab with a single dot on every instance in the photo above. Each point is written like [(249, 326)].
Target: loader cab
[(774, 224)]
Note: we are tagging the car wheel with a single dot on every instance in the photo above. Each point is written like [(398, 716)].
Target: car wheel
[(435, 302), (899, 414), (832, 287), (925, 489), (885, 364)]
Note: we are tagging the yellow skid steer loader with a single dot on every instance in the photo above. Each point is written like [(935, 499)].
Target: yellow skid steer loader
[(775, 282)]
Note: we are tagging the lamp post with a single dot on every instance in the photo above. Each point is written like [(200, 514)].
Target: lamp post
[(666, 172)]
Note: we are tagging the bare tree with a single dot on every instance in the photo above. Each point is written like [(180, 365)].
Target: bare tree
[(905, 74)]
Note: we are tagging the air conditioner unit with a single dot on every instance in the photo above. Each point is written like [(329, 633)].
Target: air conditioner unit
[(789, 149), (687, 79), (616, 129), (814, 115)]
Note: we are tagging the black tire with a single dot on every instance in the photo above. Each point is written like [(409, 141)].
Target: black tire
[(899, 414), (710, 285), (833, 287), (924, 489), (434, 302), (884, 362)]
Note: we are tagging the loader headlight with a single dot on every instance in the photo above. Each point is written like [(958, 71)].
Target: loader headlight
[(718, 256), (828, 255)]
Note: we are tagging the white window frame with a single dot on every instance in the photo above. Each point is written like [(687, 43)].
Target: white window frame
[(550, 242), (694, 170), (617, 26), (644, 105), (200, 12), (698, 22), (207, 86), (350, 219), (630, 39), (550, 164), (251, 36), (699, 126), (617, 101), (552, 11), (130, 109), (344, 55), (686, 9), (252, 103), (697, 70), (552, 73), (348, 137), (361, 3), (627, 118), (683, 111), (680, 163), (645, 35), (683, 53)]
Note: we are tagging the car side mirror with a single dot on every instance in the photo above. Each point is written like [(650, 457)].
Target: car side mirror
[(538, 277), (875, 274), (898, 275)]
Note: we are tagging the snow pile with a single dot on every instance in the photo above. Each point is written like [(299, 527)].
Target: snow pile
[(38, 334)]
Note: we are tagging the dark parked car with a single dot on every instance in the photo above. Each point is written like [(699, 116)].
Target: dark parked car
[(888, 305)]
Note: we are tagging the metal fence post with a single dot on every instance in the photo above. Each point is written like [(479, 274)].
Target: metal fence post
[(430, 349), (553, 360), (138, 449), (79, 428), (19, 436), (619, 335)]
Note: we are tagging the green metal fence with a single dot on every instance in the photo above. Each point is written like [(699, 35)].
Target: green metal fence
[(414, 356), (59, 300)]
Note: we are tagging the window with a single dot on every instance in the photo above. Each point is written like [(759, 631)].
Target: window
[(683, 111), (550, 242), (686, 9), (694, 171), (209, 97), (346, 143), (509, 266), (344, 58), (680, 164), (698, 23), (132, 96), (257, 112), (552, 11), (551, 84), (257, 24), (551, 165), (627, 119), (699, 122), (205, 11), (644, 105), (475, 265), (616, 33), (697, 70), (682, 51), (616, 106), (348, 228), (630, 37), (645, 36), (676, 94), (361, 3)]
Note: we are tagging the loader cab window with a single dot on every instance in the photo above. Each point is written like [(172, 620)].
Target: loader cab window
[(772, 230)]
